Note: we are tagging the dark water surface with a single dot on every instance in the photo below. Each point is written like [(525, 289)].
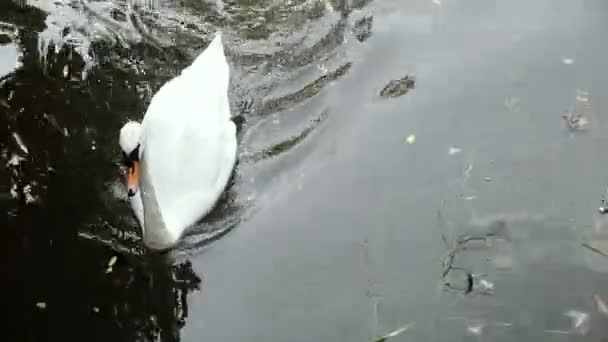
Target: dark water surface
[(457, 198)]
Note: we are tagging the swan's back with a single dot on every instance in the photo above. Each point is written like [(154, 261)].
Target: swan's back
[(189, 143)]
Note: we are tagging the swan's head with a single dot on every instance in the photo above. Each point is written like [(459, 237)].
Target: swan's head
[(130, 142)]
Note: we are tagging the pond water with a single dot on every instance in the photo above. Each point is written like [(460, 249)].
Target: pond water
[(431, 163)]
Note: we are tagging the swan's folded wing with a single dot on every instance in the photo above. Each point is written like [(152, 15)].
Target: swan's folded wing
[(185, 138)]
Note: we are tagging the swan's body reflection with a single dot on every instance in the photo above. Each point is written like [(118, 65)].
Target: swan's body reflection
[(149, 300)]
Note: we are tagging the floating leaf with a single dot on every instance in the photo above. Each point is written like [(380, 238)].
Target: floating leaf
[(41, 305), (111, 264), (395, 332), (112, 261), (410, 139), (396, 88)]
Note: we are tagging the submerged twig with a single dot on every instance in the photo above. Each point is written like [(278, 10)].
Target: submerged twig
[(594, 249), (448, 265)]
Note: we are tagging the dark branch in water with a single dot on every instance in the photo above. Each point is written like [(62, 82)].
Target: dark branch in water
[(594, 249), (448, 264)]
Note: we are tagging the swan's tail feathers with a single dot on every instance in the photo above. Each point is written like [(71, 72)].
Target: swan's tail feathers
[(211, 64), (212, 55), (217, 42)]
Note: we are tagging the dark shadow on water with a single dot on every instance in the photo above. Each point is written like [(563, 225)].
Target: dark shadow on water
[(59, 161)]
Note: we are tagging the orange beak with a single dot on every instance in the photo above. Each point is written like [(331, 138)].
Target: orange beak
[(132, 177)]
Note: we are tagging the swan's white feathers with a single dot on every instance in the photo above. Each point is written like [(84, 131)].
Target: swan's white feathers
[(188, 144)]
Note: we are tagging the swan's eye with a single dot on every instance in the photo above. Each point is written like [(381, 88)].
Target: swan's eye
[(128, 159)]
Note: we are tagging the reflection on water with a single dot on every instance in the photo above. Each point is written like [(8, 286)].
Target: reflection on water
[(71, 73)]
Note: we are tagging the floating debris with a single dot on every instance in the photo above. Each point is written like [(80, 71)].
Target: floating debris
[(487, 179), (476, 329), (394, 333), (95, 309), (580, 321), (20, 143), (602, 307), (454, 150), (469, 198), (594, 249), (15, 160), (410, 139), (485, 286), (567, 61), (396, 88), (437, 2), (363, 28), (111, 264), (576, 119), (474, 283), (27, 192), (603, 208), (575, 123), (41, 305), (512, 103)]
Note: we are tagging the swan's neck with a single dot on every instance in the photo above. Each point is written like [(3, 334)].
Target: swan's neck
[(154, 230)]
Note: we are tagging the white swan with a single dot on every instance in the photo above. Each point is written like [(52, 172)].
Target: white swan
[(181, 156)]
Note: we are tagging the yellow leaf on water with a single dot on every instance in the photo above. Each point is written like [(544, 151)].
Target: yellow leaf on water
[(112, 261), (410, 139)]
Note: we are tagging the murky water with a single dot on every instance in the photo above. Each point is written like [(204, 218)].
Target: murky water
[(439, 163)]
